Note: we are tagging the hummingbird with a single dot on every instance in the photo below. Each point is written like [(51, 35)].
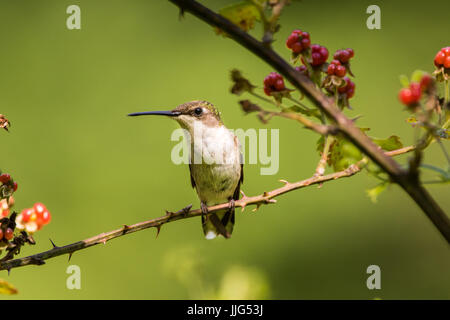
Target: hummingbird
[(215, 162)]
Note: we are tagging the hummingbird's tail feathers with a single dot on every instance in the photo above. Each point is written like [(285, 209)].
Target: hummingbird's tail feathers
[(219, 223)]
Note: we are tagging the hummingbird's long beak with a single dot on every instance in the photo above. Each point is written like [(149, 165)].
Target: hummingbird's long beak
[(156, 113)]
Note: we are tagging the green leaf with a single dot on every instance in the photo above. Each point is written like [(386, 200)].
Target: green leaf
[(389, 144), (404, 81), (342, 153), (7, 288), (243, 14), (417, 75), (376, 191)]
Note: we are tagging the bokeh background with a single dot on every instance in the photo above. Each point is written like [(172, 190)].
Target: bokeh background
[(71, 147)]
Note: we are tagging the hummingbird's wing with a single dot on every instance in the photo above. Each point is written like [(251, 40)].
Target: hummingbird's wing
[(192, 178)]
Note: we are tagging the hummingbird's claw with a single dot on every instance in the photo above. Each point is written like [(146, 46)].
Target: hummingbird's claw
[(231, 204)]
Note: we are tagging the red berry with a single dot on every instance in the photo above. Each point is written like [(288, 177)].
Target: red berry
[(440, 58), (315, 47), (26, 214), (447, 62), (46, 217), (39, 208), (305, 42), (9, 234), (279, 85), (298, 41), (351, 52), (344, 56), (4, 178), (5, 213), (336, 62), (15, 186), (405, 96), (316, 58), (291, 40), (273, 82), (331, 69), (324, 53), (425, 82), (340, 71), (297, 47), (415, 91), (446, 50)]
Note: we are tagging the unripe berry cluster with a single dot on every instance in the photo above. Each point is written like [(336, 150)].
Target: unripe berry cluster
[(411, 95), (298, 41), (273, 83), (344, 55), (336, 68), (319, 55), (348, 89), (6, 232), (5, 206), (33, 219), (8, 183), (442, 58)]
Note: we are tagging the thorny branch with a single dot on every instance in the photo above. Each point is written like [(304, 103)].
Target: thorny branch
[(409, 181), (185, 213)]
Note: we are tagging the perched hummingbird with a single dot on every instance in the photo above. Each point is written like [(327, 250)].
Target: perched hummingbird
[(215, 165)]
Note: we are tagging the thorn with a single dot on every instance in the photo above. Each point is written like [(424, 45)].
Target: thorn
[(265, 194), (186, 210), (169, 215), (158, 229), (102, 241), (271, 200), (284, 181), (70, 256), (53, 244), (9, 271), (243, 195), (125, 228)]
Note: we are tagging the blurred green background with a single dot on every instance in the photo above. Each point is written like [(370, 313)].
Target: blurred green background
[(71, 147)]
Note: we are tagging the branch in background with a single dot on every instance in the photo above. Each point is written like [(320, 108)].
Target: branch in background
[(185, 213), (410, 183)]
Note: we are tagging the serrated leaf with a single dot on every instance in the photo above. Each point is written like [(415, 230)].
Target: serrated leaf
[(342, 153), (7, 288), (389, 144), (373, 193), (243, 14)]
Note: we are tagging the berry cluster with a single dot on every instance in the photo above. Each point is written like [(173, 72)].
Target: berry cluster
[(8, 185), (348, 88), (344, 55), (298, 41), (5, 206), (273, 83), (33, 219), (336, 68), (6, 232), (442, 58), (411, 95), (319, 55)]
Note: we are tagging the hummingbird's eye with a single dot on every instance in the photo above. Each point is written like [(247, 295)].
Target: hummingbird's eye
[(198, 111)]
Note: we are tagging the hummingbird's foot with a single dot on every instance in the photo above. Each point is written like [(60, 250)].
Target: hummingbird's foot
[(232, 204), (204, 209)]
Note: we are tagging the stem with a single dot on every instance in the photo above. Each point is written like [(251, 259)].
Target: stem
[(185, 213)]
